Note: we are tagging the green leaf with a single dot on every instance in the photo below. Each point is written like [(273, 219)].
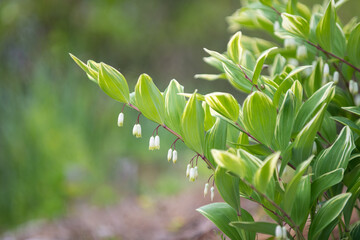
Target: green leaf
[(234, 48), (259, 117), (353, 46), (329, 34), (228, 187), (348, 210), (149, 99), (325, 181), (307, 110), (301, 208), (192, 122), (347, 122), (221, 214), (223, 103), (266, 2), (92, 75), (258, 227), (174, 105), (339, 153), (265, 173), (244, 165), (355, 230), (291, 6), (209, 119), (327, 213), (285, 121), (216, 139), (256, 149), (113, 83), (296, 25), (278, 65), (291, 188), (259, 64), (355, 110), (303, 142), (313, 83)]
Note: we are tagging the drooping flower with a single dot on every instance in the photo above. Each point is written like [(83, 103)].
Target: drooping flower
[(134, 131), (206, 189), (278, 232), (188, 170), (157, 142), (353, 87), (290, 43), (169, 156), (120, 120), (357, 99), (326, 70), (301, 52), (138, 131), (192, 175), (212, 194), (196, 172), (152, 143), (174, 156), (336, 77)]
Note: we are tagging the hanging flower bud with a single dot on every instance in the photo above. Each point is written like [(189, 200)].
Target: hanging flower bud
[(278, 232), (157, 142), (152, 143), (134, 132), (188, 170), (357, 99), (192, 175), (120, 119), (284, 233), (301, 52), (276, 26), (290, 43), (174, 156), (212, 194), (336, 77), (206, 189), (326, 70), (138, 131), (170, 153), (196, 172), (353, 87)]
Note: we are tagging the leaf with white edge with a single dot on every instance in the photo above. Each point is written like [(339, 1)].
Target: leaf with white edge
[(303, 143), (113, 83), (209, 119), (313, 83), (215, 139), (297, 89), (228, 187), (149, 99), (265, 173), (327, 213), (297, 70), (259, 117), (291, 188), (223, 103), (353, 46), (325, 181), (296, 25), (301, 208), (174, 105), (355, 110), (210, 77), (339, 153), (192, 122), (234, 48), (259, 64), (92, 75), (285, 121), (307, 109), (347, 122)]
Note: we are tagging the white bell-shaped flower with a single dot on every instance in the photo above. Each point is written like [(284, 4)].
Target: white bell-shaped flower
[(278, 232), (357, 99), (196, 172), (290, 43), (174, 156), (212, 193), (152, 143), (206, 189), (120, 120), (157, 142), (138, 131), (353, 87), (294, 62), (192, 175), (326, 70), (188, 170), (169, 155), (336, 77), (134, 131), (301, 52)]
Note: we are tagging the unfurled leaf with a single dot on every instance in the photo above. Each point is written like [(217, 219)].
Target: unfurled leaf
[(297, 89), (259, 64), (224, 103), (234, 48), (174, 105), (258, 227), (216, 139), (301, 207), (353, 46), (92, 75), (325, 181), (339, 153), (327, 213), (113, 83), (265, 173), (228, 187), (192, 122), (149, 99), (354, 110), (296, 25), (209, 119), (259, 117)]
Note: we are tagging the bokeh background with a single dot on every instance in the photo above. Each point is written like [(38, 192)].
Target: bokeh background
[(59, 143)]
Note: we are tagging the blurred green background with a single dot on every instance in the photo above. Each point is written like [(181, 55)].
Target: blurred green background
[(59, 142)]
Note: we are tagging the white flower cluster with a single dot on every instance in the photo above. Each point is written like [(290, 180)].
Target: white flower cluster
[(353, 87), (154, 143), (192, 173), (172, 154), (137, 130), (206, 190), (280, 233)]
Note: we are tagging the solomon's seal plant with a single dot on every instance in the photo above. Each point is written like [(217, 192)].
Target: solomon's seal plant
[(292, 146)]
